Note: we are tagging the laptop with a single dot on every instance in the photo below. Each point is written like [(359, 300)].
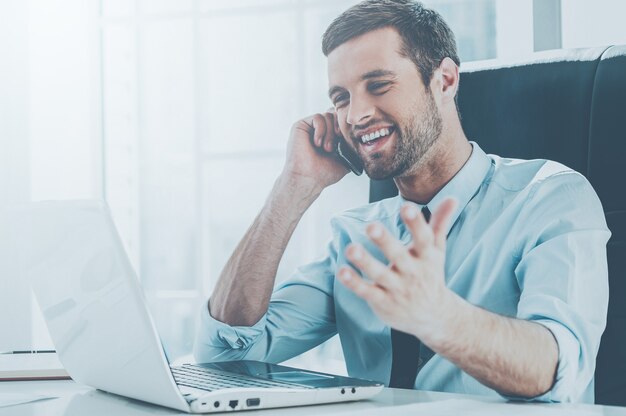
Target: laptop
[(105, 337)]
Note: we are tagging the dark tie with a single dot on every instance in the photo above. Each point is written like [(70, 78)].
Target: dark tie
[(405, 351)]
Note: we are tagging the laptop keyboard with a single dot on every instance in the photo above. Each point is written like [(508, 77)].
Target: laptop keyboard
[(209, 379)]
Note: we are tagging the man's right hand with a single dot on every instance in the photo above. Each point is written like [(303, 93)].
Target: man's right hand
[(243, 291), (311, 151)]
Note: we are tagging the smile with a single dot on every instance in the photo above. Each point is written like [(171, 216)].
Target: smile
[(376, 135)]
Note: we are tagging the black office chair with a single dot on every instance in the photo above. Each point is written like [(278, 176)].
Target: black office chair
[(568, 106)]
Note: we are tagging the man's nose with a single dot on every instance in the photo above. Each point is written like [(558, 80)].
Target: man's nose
[(360, 111)]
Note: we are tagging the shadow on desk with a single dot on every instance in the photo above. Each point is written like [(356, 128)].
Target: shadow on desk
[(75, 399), (98, 403)]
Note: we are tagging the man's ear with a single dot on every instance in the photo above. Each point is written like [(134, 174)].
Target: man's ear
[(448, 77)]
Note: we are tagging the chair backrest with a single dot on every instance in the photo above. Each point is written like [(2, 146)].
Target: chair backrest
[(568, 106)]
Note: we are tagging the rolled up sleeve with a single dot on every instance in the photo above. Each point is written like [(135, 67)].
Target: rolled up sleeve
[(217, 341), (563, 277), (300, 316)]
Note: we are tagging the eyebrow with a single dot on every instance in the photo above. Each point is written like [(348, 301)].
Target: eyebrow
[(377, 73)]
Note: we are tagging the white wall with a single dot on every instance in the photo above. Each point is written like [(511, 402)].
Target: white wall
[(64, 105), (514, 28), (14, 167), (593, 23), (52, 71), (50, 134)]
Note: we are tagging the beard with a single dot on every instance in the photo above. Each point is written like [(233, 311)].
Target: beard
[(413, 139)]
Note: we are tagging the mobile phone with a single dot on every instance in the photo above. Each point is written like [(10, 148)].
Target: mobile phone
[(349, 157)]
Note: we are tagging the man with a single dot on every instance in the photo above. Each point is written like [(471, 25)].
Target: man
[(505, 287)]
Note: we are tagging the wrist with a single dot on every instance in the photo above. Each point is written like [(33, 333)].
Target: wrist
[(448, 323), (298, 188), (289, 199)]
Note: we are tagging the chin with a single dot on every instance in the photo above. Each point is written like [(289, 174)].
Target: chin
[(383, 165), (381, 170), (379, 173)]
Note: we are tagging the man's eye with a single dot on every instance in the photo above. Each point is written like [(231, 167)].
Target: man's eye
[(340, 100), (378, 86)]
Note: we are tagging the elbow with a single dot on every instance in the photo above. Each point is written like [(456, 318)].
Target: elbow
[(548, 376), (546, 382)]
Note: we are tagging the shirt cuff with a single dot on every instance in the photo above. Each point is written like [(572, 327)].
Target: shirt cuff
[(564, 387), (214, 338)]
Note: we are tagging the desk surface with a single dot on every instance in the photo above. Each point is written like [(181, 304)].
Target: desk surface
[(74, 399)]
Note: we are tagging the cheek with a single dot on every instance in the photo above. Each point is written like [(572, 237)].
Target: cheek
[(400, 111), (393, 105), (343, 124)]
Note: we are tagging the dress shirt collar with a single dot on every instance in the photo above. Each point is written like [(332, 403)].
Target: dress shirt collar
[(463, 186)]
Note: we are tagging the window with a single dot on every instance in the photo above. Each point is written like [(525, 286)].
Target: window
[(178, 113), (600, 25), (199, 98)]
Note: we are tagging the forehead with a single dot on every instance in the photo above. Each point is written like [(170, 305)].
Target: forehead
[(375, 50)]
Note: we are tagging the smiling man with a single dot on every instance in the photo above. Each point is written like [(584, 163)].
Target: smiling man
[(503, 291)]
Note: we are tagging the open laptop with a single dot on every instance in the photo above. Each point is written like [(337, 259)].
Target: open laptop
[(105, 337)]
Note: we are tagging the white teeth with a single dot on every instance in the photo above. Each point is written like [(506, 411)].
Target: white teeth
[(374, 135)]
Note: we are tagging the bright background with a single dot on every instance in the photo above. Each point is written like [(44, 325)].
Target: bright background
[(177, 113)]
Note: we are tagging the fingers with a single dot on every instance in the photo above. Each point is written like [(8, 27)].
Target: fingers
[(329, 137), (336, 123), (370, 292), (324, 131), (318, 122), (441, 219), (426, 235), (401, 258), (374, 269), (396, 252), (422, 234)]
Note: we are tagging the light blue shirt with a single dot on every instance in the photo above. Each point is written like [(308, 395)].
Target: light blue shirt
[(528, 240)]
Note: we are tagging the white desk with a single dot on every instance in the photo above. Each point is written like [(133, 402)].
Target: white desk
[(77, 400)]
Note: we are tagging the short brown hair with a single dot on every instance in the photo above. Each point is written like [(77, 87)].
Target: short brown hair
[(426, 37)]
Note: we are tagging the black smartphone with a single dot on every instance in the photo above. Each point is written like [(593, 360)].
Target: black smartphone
[(349, 157)]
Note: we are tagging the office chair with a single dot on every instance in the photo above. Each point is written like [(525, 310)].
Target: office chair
[(568, 106)]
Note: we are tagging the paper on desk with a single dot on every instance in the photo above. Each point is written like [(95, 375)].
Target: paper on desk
[(11, 399), (455, 407)]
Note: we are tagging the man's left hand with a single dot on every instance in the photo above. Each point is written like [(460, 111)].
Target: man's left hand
[(410, 293)]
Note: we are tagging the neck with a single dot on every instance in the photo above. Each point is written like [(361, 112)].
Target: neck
[(438, 166)]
